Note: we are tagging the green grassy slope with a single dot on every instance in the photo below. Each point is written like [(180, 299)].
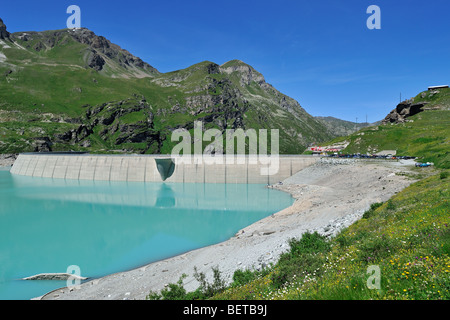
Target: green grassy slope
[(46, 88), (338, 127), (425, 135), (57, 80)]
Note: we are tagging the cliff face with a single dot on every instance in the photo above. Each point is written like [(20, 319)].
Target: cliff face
[(403, 111), (4, 34), (74, 90), (107, 50)]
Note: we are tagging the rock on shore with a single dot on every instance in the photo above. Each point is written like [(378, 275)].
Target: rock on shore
[(54, 276), (7, 160)]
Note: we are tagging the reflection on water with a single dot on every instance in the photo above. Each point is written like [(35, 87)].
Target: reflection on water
[(105, 227), (166, 197)]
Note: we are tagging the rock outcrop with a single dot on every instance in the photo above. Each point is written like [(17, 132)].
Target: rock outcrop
[(42, 144), (104, 50), (403, 111), (95, 61), (54, 276), (4, 34), (7, 160), (247, 73), (109, 120)]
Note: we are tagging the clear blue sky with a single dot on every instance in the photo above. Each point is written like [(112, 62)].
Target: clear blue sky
[(318, 52)]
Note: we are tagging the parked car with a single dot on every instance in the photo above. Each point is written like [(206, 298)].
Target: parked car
[(422, 165)]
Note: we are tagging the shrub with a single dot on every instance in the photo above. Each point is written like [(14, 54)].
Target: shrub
[(290, 267), (372, 209), (209, 289), (343, 240), (174, 291), (309, 243), (304, 257), (243, 277), (390, 205), (377, 248), (443, 175)]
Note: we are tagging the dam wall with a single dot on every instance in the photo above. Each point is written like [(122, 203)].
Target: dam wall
[(144, 168)]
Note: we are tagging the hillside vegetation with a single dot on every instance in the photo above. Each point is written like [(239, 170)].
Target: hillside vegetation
[(425, 135), (338, 127), (52, 84)]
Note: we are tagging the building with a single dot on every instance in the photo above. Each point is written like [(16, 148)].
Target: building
[(437, 87)]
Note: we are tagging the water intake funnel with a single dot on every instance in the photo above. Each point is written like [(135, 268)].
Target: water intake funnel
[(165, 167)]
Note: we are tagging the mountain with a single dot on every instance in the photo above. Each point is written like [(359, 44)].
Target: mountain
[(73, 90), (81, 48), (418, 127), (337, 127)]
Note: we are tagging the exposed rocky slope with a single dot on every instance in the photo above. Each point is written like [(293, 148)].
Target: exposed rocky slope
[(99, 53), (4, 34), (437, 99), (403, 111), (74, 90)]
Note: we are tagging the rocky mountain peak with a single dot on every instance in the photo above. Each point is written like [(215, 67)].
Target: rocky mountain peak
[(99, 53), (102, 50), (248, 73), (207, 67), (4, 34)]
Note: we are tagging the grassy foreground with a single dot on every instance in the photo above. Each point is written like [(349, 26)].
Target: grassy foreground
[(398, 250), (408, 238)]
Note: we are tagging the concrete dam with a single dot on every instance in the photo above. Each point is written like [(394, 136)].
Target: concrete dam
[(159, 168)]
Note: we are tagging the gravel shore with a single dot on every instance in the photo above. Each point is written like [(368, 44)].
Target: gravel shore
[(329, 196)]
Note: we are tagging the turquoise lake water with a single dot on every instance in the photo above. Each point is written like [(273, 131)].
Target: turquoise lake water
[(47, 225)]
